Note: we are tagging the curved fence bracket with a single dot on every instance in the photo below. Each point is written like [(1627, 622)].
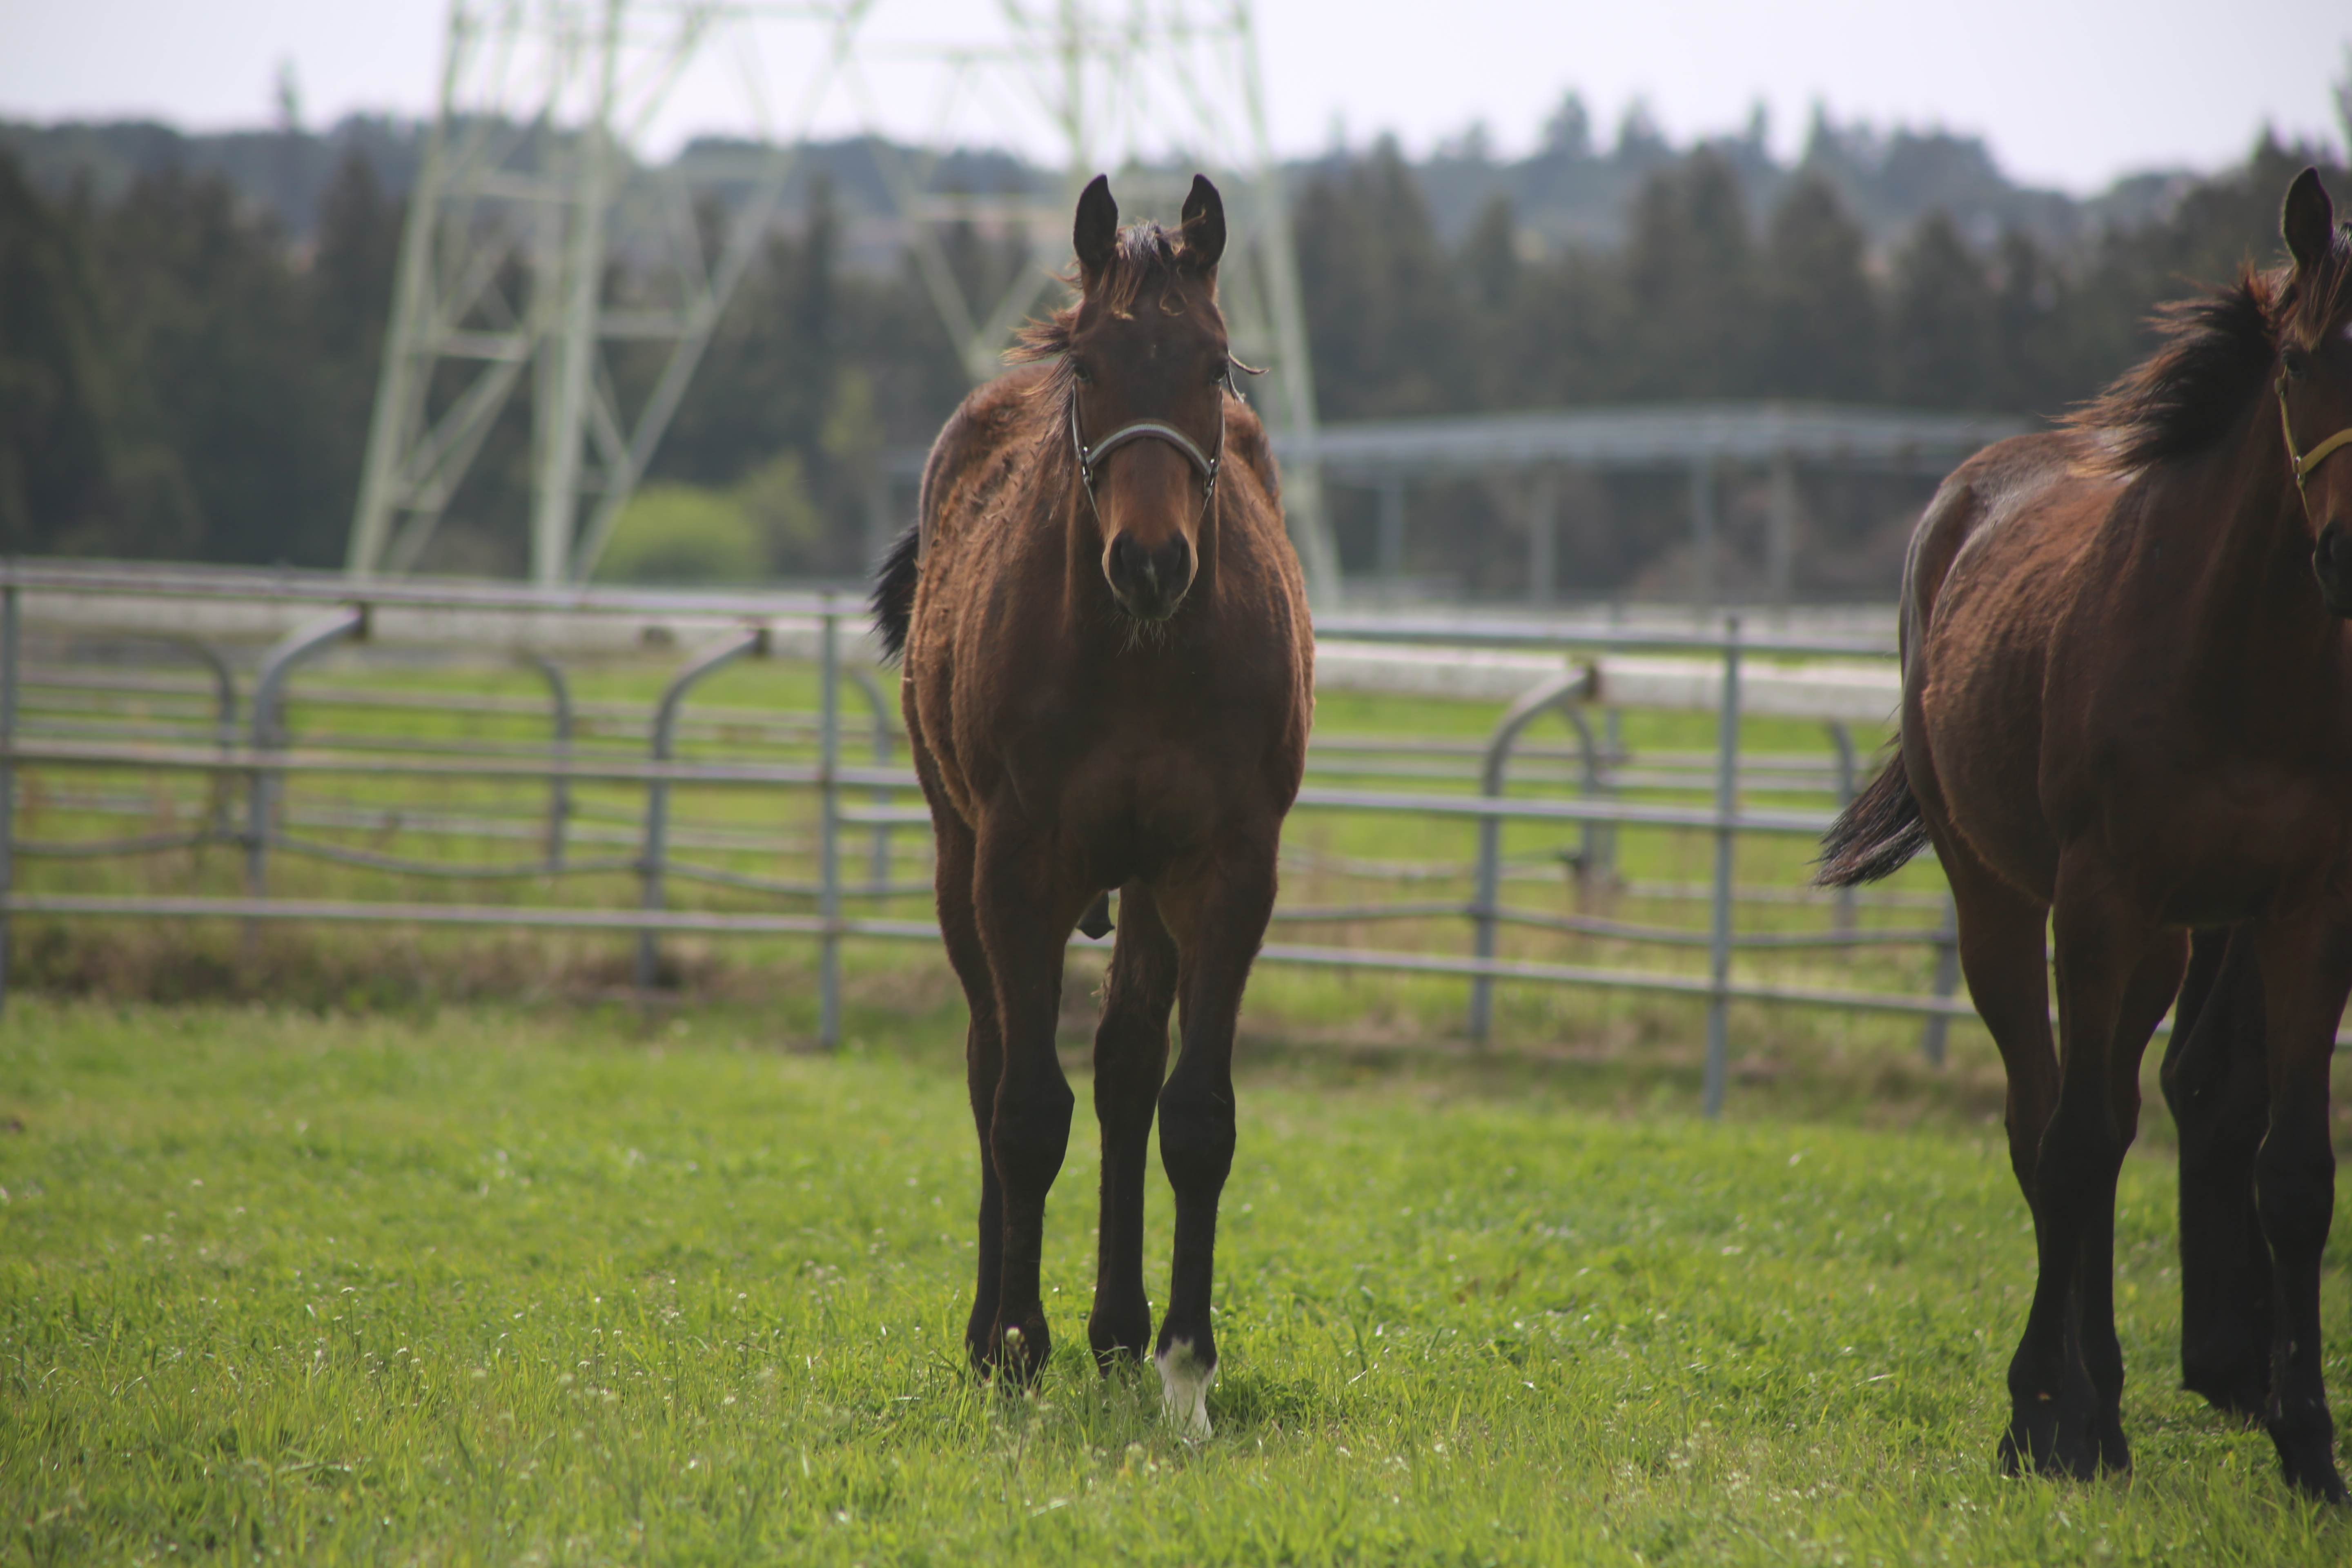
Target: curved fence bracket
[(558, 787), (1562, 691), (268, 731), (754, 641)]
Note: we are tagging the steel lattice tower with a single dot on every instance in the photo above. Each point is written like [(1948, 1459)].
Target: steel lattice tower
[(529, 189)]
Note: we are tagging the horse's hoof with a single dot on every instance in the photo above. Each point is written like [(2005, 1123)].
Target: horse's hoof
[(2114, 1449), (2031, 1438), (2315, 1478), (1116, 1343), (1017, 1355), (2240, 1396), (1184, 1378), (2311, 1470)]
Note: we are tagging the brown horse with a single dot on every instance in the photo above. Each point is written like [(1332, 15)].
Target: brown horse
[(2127, 712), (1109, 683)]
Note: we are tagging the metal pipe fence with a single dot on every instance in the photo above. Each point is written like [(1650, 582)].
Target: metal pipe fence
[(112, 722)]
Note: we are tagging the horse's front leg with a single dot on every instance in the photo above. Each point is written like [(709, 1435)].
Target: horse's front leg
[(1131, 1060), (2216, 1084), (2307, 974), (1024, 921), (1219, 914), (2055, 1405)]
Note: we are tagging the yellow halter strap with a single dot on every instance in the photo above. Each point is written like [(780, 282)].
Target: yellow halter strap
[(2304, 462)]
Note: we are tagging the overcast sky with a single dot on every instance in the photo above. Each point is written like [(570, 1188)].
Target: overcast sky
[(2067, 92)]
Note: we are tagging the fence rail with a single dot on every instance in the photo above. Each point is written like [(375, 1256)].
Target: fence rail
[(201, 731)]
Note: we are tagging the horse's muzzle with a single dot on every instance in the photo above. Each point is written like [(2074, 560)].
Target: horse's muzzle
[(1149, 581), (2331, 563)]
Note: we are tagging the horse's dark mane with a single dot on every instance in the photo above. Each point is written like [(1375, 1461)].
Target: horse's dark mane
[(2215, 352)]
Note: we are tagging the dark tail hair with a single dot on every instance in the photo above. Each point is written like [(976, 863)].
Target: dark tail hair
[(893, 599), (1877, 834)]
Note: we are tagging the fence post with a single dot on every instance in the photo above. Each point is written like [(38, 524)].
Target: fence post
[(1718, 954), (11, 621), (1933, 1033), (879, 871), (1848, 772), (665, 746), (829, 828)]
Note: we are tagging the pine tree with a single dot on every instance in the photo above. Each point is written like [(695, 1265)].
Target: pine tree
[(55, 463), (1690, 277), (1819, 322), (1941, 322)]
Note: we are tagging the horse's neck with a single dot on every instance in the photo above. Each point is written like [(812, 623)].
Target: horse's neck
[(2257, 604)]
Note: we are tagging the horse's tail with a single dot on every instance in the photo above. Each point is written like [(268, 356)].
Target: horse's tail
[(1877, 834), (893, 599)]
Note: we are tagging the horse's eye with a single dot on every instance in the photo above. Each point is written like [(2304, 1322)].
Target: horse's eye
[(1081, 372), (2295, 363)]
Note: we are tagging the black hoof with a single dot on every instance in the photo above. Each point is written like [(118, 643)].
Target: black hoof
[(1017, 1353), (2239, 1393), (2307, 1460), (2040, 1442), (1117, 1342), (2032, 1438)]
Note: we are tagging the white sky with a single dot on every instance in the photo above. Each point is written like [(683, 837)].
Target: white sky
[(2067, 92)]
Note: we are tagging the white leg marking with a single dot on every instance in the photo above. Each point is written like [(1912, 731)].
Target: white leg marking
[(1184, 1380)]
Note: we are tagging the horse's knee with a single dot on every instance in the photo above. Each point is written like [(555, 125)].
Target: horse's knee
[(1196, 1136), (1031, 1132)]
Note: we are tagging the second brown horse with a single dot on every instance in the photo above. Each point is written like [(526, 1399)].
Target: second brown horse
[(2128, 713)]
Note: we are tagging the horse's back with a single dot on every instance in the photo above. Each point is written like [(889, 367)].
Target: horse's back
[(1990, 576), (964, 469)]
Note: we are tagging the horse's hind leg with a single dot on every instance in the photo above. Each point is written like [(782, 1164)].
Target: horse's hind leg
[(1131, 1060), (984, 1065), (2307, 974), (2104, 943), (1219, 915), (2214, 1081)]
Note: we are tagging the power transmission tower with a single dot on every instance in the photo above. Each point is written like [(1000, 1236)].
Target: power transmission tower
[(1148, 94), (529, 189)]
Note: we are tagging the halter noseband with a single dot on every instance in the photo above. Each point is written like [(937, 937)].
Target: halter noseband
[(2302, 462), (1091, 458)]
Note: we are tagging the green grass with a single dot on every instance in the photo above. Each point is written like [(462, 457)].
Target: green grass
[(574, 1287)]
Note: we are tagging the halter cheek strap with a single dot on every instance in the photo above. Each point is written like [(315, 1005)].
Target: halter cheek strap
[(2304, 462), (1091, 458)]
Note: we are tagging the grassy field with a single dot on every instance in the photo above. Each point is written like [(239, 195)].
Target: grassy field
[(580, 1285)]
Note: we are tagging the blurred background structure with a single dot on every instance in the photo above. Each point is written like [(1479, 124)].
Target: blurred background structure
[(193, 326)]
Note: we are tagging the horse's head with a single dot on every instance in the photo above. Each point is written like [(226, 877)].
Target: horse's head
[(1145, 370), (2315, 380)]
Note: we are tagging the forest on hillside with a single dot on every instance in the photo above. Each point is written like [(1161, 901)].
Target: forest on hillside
[(185, 370)]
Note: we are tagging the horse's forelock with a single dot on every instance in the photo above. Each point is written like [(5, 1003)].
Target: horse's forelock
[(1144, 254)]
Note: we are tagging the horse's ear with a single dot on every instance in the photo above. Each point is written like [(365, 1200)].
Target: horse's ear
[(1097, 233), (1203, 233), (2309, 222)]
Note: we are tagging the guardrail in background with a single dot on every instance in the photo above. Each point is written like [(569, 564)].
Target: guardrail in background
[(306, 615)]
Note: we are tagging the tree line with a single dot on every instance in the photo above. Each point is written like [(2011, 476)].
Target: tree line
[(182, 377)]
